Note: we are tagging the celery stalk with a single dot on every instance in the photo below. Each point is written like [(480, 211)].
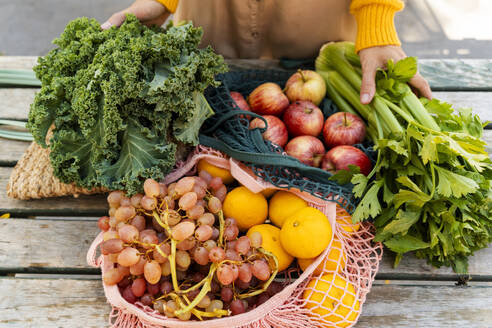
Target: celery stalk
[(386, 115), (413, 104), (352, 96), (339, 57), (332, 57), (400, 111), (336, 97), (347, 91), (373, 135)]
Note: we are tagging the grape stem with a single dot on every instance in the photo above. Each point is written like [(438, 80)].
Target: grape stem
[(172, 256), (206, 282), (172, 262), (269, 281), (194, 286), (221, 228), (188, 302), (159, 250), (216, 313), (203, 292)]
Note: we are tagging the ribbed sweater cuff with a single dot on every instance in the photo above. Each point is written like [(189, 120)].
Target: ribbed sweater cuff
[(170, 5), (375, 26)]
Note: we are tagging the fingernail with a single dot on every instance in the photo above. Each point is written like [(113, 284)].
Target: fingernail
[(106, 25), (364, 98)]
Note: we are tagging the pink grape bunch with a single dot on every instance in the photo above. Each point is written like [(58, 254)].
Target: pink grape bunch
[(172, 250)]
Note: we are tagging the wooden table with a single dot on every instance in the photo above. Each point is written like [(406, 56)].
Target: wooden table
[(46, 282)]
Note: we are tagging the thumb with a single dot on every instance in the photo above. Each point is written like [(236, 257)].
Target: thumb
[(368, 86), (115, 20)]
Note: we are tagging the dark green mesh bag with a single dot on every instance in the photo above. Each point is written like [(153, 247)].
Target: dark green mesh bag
[(228, 131)]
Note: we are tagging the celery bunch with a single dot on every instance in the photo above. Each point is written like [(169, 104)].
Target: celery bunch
[(430, 190)]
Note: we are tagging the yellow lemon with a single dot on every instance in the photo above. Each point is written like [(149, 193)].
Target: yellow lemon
[(268, 192), (332, 293), (246, 207), (282, 205), (215, 171), (306, 233), (344, 220), (270, 236), (336, 255)]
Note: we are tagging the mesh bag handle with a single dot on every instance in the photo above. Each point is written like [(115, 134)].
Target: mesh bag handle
[(275, 159), (238, 112)]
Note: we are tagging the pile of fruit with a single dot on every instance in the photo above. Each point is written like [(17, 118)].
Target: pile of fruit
[(172, 249), (198, 249), (296, 123)]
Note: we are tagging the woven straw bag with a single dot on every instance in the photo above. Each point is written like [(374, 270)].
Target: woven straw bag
[(294, 306), (33, 178)]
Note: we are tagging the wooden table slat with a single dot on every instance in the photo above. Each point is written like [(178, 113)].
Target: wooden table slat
[(11, 151), (60, 246), (30, 245), (429, 306), (81, 303), (47, 303)]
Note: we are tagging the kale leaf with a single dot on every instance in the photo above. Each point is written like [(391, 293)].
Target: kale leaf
[(115, 104)]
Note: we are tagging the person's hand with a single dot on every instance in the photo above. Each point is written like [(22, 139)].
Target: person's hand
[(376, 57), (149, 12)]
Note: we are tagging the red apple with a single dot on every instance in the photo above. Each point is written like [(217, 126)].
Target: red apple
[(307, 149), (340, 157), (268, 99), (303, 118), (240, 102), (306, 85), (343, 129), (276, 131)]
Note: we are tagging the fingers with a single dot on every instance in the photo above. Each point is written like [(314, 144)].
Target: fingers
[(115, 20), (421, 84), (148, 12), (368, 86), (157, 21)]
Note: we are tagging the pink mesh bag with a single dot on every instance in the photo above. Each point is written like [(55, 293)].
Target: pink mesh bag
[(330, 292)]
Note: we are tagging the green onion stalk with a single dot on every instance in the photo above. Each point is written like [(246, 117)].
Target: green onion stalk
[(18, 77), (15, 130)]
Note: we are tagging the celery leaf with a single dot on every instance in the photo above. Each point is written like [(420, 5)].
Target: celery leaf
[(452, 184)]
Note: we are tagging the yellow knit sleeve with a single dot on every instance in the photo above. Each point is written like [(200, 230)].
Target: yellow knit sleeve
[(375, 25), (170, 5)]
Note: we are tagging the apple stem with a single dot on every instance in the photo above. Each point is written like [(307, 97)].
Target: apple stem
[(345, 119), (302, 75)]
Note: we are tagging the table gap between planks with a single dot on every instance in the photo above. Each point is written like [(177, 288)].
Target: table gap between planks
[(46, 282)]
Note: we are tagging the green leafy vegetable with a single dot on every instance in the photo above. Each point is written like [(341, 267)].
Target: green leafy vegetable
[(121, 102), (431, 187), (345, 176)]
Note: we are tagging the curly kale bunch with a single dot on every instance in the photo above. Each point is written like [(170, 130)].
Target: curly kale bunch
[(120, 101)]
